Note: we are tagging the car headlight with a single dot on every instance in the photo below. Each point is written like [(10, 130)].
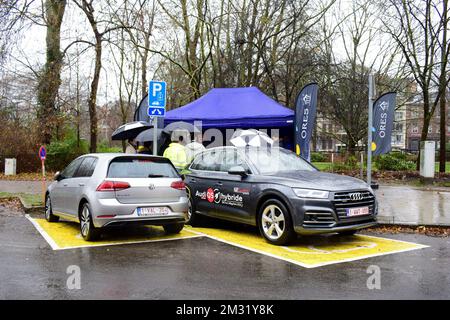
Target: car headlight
[(311, 193)]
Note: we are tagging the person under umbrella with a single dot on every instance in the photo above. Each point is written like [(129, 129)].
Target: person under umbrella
[(195, 147)]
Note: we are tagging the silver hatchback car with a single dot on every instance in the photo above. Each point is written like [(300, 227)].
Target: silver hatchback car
[(111, 189)]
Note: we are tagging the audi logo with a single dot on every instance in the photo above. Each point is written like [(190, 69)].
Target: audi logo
[(355, 196)]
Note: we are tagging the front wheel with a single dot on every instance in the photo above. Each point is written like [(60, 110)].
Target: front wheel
[(49, 216), (87, 229), (193, 218), (173, 228), (275, 223)]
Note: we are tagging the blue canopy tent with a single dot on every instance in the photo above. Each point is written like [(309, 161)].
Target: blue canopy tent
[(234, 108)]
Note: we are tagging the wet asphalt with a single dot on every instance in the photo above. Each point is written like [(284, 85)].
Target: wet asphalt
[(202, 268)]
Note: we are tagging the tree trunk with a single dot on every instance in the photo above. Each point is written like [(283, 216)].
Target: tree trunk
[(50, 79), (442, 89), (92, 103)]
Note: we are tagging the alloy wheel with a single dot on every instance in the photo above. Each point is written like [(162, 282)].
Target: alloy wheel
[(189, 212), (85, 221), (273, 222), (48, 208)]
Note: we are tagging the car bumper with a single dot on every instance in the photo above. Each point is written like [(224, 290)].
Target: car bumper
[(319, 230), (123, 214), (313, 216)]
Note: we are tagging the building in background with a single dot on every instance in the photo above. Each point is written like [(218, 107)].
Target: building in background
[(414, 123)]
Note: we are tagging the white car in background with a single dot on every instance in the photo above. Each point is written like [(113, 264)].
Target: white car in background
[(112, 189)]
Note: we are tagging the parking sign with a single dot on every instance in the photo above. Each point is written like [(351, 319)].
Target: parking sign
[(156, 98)]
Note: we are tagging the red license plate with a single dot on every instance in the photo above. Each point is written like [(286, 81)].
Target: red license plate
[(357, 211)]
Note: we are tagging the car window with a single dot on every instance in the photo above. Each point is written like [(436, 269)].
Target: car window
[(208, 161), (86, 169), (276, 160), (231, 158), (70, 170), (139, 167)]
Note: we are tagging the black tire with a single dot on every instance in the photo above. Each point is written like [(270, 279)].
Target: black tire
[(87, 229), (49, 216), (287, 233), (348, 232), (193, 218), (173, 228)]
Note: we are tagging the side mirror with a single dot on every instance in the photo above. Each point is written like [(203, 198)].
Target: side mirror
[(238, 170), (58, 176)]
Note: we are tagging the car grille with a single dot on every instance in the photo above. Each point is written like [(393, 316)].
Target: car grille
[(343, 200)]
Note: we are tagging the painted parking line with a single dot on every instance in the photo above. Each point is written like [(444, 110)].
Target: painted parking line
[(313, 251), (66, 235)]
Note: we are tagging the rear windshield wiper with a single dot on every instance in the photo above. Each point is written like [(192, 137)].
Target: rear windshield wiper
[(157, 176)]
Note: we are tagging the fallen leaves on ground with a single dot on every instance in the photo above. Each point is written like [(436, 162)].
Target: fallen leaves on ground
[(28, 176), (433, 231), (13, 204)]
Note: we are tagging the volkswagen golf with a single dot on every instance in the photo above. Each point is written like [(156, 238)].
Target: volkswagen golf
[(277, 191), (115, 189)]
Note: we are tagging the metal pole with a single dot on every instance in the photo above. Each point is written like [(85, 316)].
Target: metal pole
[(369, 132), (155, 136)]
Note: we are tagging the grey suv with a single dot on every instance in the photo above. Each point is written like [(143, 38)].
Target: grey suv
[(113, 189), (277, 191)]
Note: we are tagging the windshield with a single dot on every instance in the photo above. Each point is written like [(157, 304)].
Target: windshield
[(276, 160)]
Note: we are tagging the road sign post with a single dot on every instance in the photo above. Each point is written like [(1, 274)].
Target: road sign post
[(43, 156), (156, 107)]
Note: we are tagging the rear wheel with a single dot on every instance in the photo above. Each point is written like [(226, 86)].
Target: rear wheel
[(87, 229), (173, 228), (49, 216), (348, 232), (275, 223)]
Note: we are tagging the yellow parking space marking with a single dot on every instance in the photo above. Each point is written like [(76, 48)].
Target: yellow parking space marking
[(66, 235), (313, 251)]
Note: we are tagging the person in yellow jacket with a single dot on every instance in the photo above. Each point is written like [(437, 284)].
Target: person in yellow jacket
[(176, 153)]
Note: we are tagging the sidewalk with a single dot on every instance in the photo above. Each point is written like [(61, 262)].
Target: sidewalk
[(34, 187), (413, 206)]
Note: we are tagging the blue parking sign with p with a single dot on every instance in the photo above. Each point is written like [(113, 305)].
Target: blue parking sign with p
[(156, 98)]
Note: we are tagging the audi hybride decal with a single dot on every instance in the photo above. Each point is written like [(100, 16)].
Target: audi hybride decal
[(277, 191)]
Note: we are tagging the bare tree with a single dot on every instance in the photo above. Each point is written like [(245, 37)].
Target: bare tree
[(443, 82), (416, 26), (87, 7), (50, 77)]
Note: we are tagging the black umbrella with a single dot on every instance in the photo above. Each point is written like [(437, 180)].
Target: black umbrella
[(130, 130), (147, 135)]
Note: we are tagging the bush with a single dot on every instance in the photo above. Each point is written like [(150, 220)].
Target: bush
[(104, 148), (318, 157), (61, 153), (394, 161)]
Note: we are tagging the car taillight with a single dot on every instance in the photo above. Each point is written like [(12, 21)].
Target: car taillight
[(113, 186), (179, 185)]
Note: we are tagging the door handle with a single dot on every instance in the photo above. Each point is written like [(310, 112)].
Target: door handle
[(219, 184), (81, 184), (65, 184), (193, 180)]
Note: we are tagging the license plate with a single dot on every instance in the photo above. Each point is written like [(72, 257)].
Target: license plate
[(152, 211), (351, 212)]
